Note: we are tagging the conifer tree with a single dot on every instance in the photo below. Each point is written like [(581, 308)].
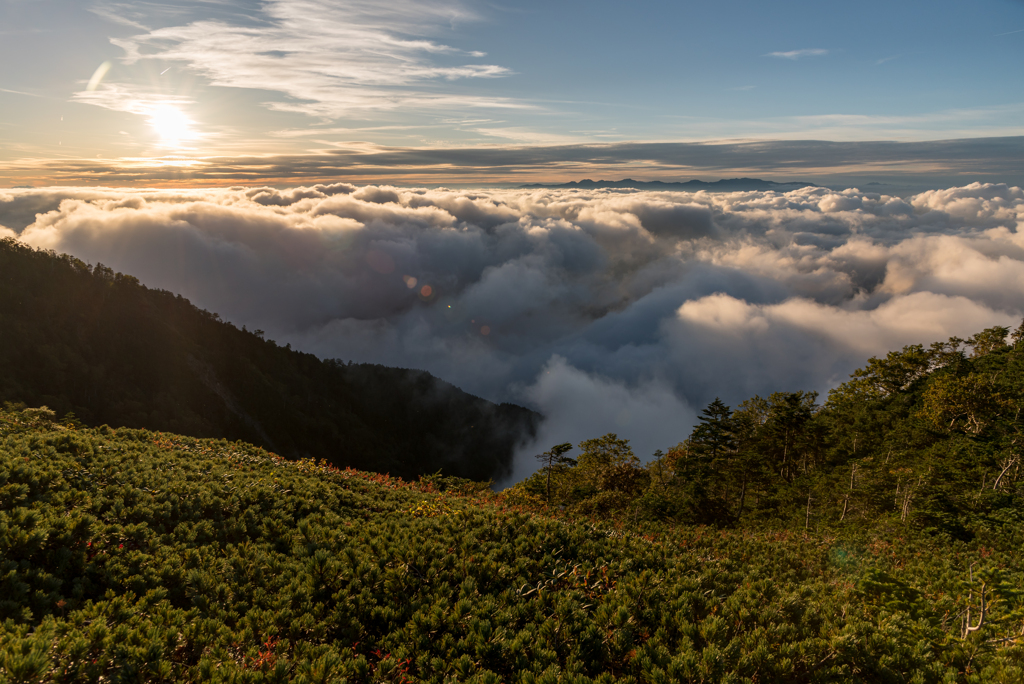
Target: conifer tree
[(714, 434), (552, 459)]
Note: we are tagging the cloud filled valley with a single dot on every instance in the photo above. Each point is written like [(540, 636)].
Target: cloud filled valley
[(606, 310)]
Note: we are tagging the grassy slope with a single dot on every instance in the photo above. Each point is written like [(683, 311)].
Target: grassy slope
[(130, 555)]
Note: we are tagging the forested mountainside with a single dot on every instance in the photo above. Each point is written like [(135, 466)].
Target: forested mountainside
[(926, 439), (133, 556), (83, 339)]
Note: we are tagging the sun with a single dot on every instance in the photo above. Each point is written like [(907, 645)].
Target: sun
[(171, 124)]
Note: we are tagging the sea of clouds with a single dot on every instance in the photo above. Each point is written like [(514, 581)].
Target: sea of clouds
[(607, 311)]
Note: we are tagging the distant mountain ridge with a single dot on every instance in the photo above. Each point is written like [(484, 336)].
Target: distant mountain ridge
[(97, 343), (724, 185)]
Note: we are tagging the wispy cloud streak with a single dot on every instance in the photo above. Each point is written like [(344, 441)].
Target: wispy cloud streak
[(799, 54), (329, 58), (932, 163)]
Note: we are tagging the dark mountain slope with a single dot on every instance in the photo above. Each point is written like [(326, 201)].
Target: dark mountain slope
[(98, 343)]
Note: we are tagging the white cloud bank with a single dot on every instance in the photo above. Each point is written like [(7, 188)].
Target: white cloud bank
[(606, 310)]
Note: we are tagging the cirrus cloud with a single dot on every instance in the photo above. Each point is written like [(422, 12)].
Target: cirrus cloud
[(326, 59), (799, 54)]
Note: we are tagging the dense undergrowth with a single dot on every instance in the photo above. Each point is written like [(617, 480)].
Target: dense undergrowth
[(131, 556)]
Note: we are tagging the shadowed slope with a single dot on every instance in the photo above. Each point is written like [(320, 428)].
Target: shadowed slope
[(98, 343)]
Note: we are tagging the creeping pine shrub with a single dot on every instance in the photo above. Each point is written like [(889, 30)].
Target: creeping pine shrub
[(517, 495), (127, 555)]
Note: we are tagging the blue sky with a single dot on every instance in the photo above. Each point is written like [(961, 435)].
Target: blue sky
[(699, 70), (195, 85)]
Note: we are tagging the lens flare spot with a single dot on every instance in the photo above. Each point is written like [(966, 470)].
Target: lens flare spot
[(410, 282), (97, 77), (485, 330), (426, 291)]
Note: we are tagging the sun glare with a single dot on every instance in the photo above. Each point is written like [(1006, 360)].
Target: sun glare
[(171, 124)]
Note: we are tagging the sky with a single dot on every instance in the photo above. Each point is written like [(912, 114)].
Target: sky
[(287, 92), (346, 176)]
